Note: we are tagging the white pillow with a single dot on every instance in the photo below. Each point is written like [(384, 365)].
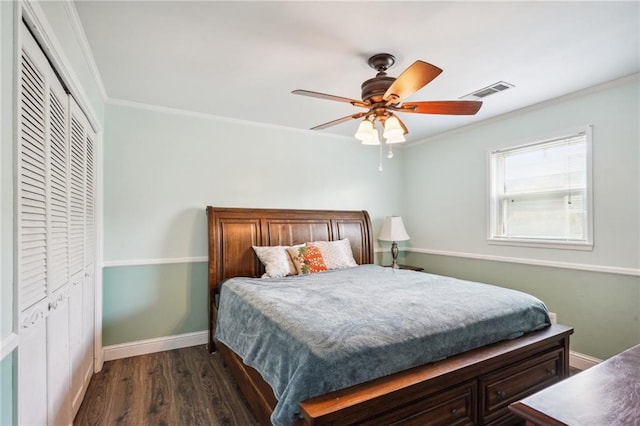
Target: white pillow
[(336, 254), (276, 261)]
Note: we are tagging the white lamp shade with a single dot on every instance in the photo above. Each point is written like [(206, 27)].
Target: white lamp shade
[(365, 131), (395, 139), (392, 128), (393, 230), (374, 140)]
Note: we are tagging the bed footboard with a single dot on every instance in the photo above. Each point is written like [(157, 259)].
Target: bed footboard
[(475, 387)]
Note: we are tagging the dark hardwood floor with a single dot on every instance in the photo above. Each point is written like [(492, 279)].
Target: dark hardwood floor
[(185, 386)]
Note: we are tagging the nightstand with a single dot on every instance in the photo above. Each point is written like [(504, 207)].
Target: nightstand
[(412, 268)]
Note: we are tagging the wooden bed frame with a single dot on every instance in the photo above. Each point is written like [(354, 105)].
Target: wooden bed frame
[(474, 387)]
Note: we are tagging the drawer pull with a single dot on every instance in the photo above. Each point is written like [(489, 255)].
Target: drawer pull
[(551, 371), (456, 413), (501, 394)]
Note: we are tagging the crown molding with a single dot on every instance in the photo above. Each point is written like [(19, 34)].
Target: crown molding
[(81, 36)]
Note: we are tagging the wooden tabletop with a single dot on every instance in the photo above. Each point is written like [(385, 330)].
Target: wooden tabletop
[(607, 394)]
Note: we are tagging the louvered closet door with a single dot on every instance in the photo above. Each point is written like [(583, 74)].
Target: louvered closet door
[(58, 358), (81, 291), (88, 312), (32, 236), (76, 247), (43, 355)]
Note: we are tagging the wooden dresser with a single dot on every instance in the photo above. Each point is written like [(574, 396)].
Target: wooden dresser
[(607, 394)]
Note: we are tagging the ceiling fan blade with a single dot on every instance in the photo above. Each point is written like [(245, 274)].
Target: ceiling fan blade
[(410, 81), (339, 120), (441, 107), (319, 95)]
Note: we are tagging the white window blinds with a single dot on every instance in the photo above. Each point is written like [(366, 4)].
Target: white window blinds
[(541, 192)]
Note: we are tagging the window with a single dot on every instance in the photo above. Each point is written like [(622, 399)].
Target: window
[(541, 193)]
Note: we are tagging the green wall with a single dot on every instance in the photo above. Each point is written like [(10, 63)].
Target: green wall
[(445, 208), (163, 167), (142, 302), (446, 189), (161, 300), (603, 308)]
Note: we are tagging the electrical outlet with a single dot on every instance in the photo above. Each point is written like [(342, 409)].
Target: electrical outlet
[(553, 317)]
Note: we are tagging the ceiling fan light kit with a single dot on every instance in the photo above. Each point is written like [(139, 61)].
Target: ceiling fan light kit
[(365, 131), (395, 139), (392, 129), (382, 96), (373, 139)]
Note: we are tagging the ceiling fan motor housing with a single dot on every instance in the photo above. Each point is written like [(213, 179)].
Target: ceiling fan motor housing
[(374, 89)]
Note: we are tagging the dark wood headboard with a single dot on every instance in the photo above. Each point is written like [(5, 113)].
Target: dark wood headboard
[(233, 232)]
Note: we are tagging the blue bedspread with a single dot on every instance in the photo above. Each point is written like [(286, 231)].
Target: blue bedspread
[(308, 335)]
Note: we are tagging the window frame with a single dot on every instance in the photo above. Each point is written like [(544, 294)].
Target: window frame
[(493, 217)]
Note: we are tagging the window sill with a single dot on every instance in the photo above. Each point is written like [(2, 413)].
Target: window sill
[(553, 244)]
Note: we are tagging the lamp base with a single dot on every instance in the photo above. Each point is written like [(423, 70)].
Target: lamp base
[(394, 254)]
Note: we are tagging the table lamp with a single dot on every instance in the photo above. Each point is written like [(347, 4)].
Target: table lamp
[(393, 230)]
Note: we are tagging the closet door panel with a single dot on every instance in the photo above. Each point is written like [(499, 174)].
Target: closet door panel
[(32, 366), (88, 328), (44, 375), (79, 295), (75, 342), (32, 241), (58, 365), (32, 235), (55, 256), (58, 189), (89, 254), (90, 199), (76, 191)]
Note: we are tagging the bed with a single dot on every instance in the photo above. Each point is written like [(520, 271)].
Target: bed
[(472, 387)]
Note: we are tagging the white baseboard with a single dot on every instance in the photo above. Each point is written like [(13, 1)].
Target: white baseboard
[(582, 361), (158, 344)]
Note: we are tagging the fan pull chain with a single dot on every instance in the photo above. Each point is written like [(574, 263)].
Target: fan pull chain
[(380, 159)]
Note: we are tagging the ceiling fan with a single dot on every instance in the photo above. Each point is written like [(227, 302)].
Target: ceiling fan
[(382, 97)]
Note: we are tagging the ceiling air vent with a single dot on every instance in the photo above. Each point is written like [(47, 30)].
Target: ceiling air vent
[(489, 90)]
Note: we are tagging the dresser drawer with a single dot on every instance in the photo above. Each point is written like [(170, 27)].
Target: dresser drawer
[(509, 384), (453, 407)]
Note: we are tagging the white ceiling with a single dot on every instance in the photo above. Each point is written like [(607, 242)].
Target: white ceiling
[(242, 59)]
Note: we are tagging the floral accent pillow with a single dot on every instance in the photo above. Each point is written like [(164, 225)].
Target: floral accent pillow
[(276, 261), (336, 254), (307, 259)]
